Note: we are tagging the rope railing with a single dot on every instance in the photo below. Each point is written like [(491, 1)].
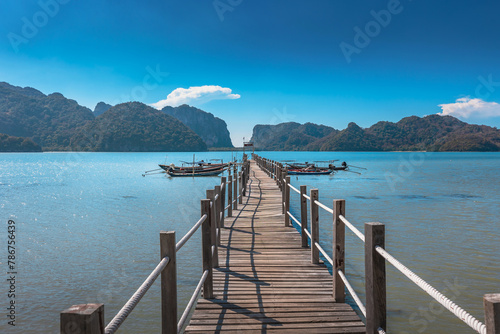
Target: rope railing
[(373, 238), (129, 306), (352, 228), (294, 189), (321, 205), (192, 301), (353, 293), (308, 234), (294, 219), (434, 293), (323, 252), (190, 233)]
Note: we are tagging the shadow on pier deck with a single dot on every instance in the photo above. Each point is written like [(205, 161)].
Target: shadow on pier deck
[(265, 281)]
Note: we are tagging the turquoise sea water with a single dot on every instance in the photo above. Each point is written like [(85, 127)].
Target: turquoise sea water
[(88, 230)]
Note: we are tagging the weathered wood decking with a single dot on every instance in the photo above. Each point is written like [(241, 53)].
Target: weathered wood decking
[(266, 282)]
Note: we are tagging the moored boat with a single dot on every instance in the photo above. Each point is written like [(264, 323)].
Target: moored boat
[(186, 173), (304, 171)]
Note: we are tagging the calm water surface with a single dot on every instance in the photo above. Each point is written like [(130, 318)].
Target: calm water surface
[(88, 230)]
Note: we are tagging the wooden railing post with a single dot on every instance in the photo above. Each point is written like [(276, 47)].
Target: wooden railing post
[(235, 189), (223, 201), (375, 280), (282, 188), (338, 256), (314, 226), (230, 196), (218, 212), (168, 284), (492, 313), (84, 319), (240, 192), (287, 201), (243, 178), (206, 245), (213, 229), (303, 215)]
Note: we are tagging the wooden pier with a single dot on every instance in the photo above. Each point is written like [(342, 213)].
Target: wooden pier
[(265, 281), (261, 275)]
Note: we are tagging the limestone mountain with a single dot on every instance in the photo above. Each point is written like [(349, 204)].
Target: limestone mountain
[(211, 129), (136, 127), (101, 108), (49, 120), (430, 133), (289, 136)]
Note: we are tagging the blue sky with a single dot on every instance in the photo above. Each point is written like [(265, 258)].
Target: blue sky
[(263, 62)]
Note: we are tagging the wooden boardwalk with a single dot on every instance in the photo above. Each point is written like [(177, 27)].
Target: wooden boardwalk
[(266, 282)]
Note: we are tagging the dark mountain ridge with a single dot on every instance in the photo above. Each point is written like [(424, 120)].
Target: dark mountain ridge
[(211, 129), (56, 123), (136, 127), (430, 133)]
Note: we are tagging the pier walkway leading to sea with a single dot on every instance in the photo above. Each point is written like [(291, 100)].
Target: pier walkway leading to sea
[(265, 281), (260, 275)]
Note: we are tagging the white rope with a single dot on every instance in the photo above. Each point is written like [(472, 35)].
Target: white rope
[(136, 297), (193, 299), (352, 228), (216, 197), (294, 219), (324, 206), (380, 330), (190, 233), (442, 299), (227, 207), (307, 197), (294, 189), (308, 234), (329, 259), (352, 292)]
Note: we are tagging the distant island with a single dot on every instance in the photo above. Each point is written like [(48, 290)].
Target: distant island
[(55, 123), (31, 121), (430, 133)]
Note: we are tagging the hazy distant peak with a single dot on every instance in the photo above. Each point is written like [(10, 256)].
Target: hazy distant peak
[(101, 108)]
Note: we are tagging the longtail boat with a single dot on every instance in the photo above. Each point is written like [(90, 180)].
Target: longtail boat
[(304, 171), (186, 173)]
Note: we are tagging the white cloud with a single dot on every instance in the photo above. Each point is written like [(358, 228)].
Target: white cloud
[(466, 107), (196, 95)]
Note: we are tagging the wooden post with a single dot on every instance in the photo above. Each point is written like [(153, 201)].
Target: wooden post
[(83, 319), (168, 284), (282, 188), (213, 229), (375, 278), (492, 313), (243, 177), (338, 255), (287, 201), (218, 212), (223, 201), (206, 246), (314, 226), (230, 196), (240, 192), (303, 215), (235, 189)]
